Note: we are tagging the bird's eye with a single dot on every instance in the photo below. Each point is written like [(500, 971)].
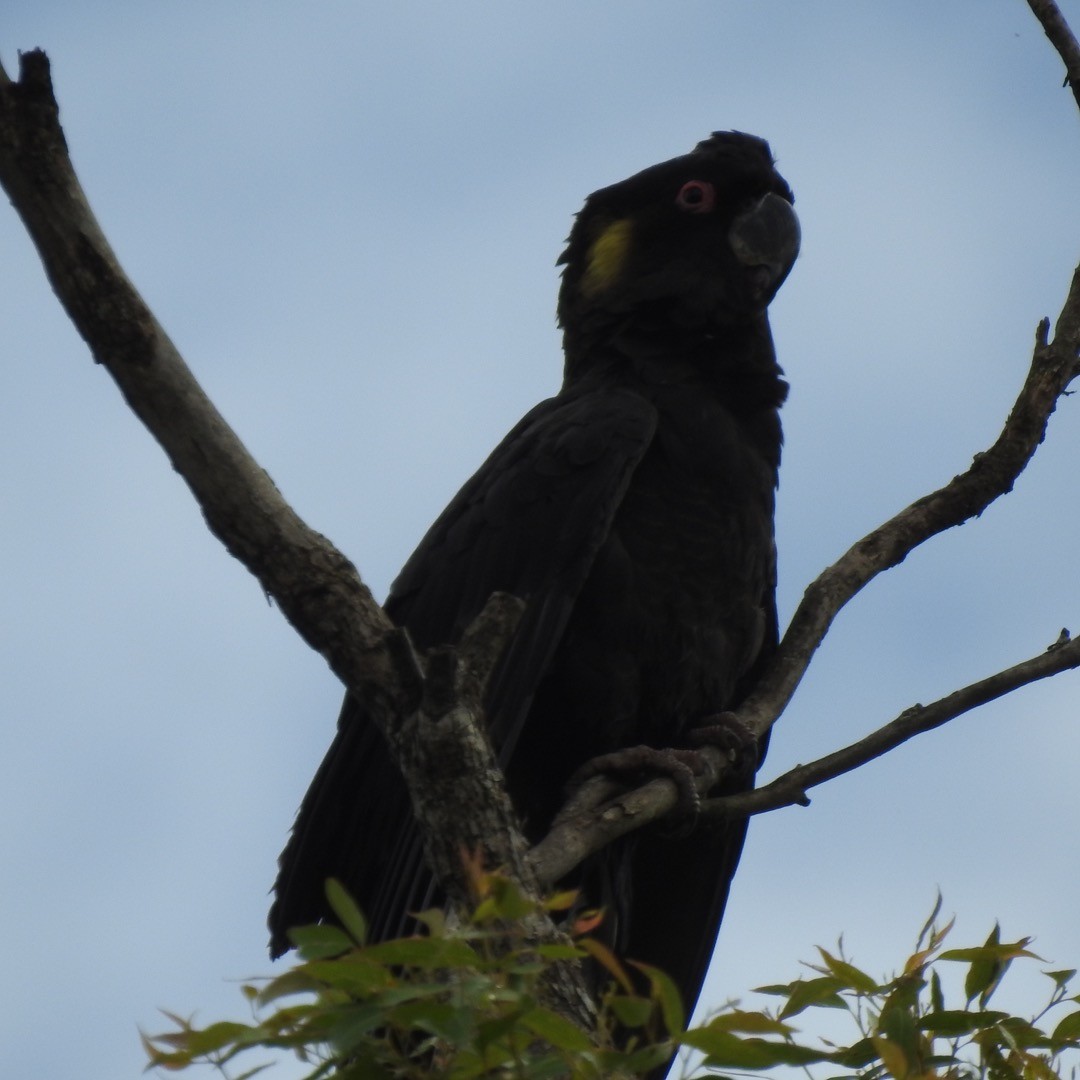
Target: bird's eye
[(696, 197)]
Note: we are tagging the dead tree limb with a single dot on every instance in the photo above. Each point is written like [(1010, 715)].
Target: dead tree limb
[(431, 714)]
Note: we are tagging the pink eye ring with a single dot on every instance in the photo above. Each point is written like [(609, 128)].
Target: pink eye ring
[(696, 197)]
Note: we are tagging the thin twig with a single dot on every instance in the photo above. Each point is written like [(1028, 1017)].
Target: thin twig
[(791, 788)]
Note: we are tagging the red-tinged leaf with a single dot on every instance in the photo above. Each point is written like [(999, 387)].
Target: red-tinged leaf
[(666, 994), (162, 1059), (917, 961), (476, 877), (606, 959), (586, 922), (892, 1056), (940, 935)]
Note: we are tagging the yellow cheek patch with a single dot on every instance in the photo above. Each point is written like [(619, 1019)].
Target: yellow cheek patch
[(606, 256)]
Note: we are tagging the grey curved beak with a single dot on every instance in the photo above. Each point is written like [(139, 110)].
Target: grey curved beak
[(767, 237)]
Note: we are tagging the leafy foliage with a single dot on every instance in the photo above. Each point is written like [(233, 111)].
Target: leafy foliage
[(458, 1002), (463, 1002)]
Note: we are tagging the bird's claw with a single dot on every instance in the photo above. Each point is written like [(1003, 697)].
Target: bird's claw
[(647, 762), (729, 734)]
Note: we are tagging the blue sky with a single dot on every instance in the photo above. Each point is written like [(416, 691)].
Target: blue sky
[(347, 217)]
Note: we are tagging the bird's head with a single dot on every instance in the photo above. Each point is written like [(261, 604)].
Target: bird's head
[(698, 243)]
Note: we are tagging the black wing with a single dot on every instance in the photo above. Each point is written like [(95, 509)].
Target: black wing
[(529, 523)]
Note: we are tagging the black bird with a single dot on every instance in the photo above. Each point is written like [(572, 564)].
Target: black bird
[(633, 512)]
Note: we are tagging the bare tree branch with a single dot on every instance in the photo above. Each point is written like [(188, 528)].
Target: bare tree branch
[(317, 588), (430, 712), (991, 474), (1062, 38), (791, 788)]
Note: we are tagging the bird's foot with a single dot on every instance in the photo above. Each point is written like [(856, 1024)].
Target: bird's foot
[(731, 736), (639, 763)]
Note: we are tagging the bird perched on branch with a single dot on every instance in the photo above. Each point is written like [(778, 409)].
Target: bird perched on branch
[(633, 513)]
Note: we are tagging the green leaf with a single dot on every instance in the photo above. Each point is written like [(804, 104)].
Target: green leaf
[(937, 998), (813, 993), (1068, 1029), (988, 963), (215, 1037), (1061, 978), (556, 1030), (606, 959), (637, 1063), (434, 920), (562, 901), (319, 942), (295, 981), (344, 907), (750, 1023), (354, 1026), (630, 1010), (666, 994), (507, 901), (1022, 1033), (927, 932), (354, 973), (490, 1031), (858, 1055), (778, 989), (425, 953), (950, 1023), (558, 952), (725, 1050), (848, 974), (439, 1018)]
